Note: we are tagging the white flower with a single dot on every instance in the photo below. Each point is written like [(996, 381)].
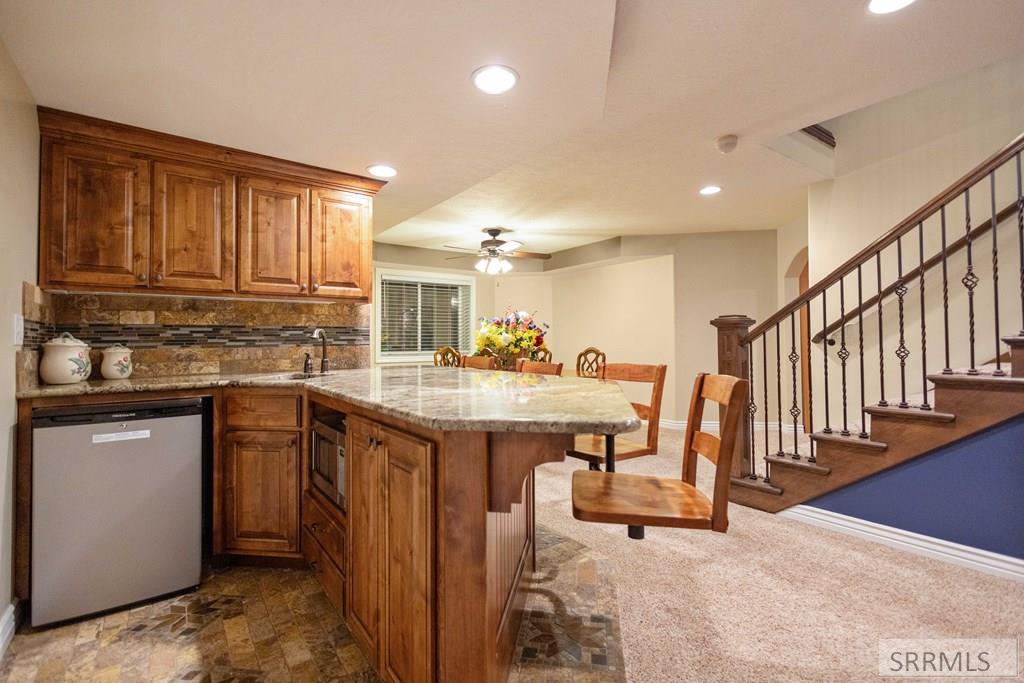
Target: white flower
[(505, 338)]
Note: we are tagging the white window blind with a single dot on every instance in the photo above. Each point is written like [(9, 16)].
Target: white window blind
[(418, 315)]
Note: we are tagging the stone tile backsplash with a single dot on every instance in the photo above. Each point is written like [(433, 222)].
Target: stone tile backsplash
[(188, 336)]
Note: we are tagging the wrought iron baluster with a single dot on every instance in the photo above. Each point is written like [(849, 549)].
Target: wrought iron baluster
[(902, 352), (924, 330), (752, 410), (844, 353), (794, 358), (1020, 240), (860, 349), (945, 290), (809, 408), (881, 337), (778, 384), (824, 359), (969, 281), (764, 384), (998, 372)]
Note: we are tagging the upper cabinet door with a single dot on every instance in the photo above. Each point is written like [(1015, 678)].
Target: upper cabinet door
[(273, 237), (341, 244), (193, 228), (96, 221)]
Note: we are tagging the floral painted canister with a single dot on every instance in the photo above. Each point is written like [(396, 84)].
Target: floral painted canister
[(65, 360), (117, 362)]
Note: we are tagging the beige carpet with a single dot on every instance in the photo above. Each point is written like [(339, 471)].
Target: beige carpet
[(773, 599)]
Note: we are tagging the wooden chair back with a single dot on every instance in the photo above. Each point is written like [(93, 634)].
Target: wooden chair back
[(636, 372), (447, 357), (544, 354), (538, 367), (479, 362), (730, 393), (487, 352), (589, 361)]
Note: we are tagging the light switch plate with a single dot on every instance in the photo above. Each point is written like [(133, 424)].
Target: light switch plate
[(19, 329)]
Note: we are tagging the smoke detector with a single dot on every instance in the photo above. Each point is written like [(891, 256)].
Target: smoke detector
[(726, 143)]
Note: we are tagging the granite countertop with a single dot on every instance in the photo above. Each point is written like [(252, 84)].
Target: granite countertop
[(444, 399)]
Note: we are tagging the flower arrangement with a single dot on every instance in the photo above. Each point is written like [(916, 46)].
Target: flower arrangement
[(515, 335)]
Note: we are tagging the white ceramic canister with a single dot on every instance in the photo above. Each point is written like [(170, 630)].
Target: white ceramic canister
[(65, 360), (117, 362)]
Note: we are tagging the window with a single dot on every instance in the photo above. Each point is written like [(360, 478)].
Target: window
[(417, 313)]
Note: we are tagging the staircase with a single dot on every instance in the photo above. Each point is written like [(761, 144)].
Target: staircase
[(833, 374)]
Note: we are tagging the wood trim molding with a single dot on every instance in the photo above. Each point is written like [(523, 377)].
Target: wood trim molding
[(999, 565), (63, 125), (512, 456)]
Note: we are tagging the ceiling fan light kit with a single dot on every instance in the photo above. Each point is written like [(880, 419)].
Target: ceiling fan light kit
[(494, 253)]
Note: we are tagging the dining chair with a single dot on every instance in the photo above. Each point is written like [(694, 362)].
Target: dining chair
[(488, 352), (599, 449), (544, 354), (639, 500), (479, 362), (588, 361), (447, 357), (538, 367)]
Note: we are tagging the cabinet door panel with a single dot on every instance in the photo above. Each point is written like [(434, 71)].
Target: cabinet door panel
[(273, 237), (193, 228), (262, 491), (340, 244), (407, 578), (363, 519), (96, 224)]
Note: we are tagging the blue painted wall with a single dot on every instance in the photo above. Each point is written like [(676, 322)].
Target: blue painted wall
[(971, 493)]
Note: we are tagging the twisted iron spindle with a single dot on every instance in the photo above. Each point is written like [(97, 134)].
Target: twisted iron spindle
[(902, 352), (945, 289), (998, 372), (778, 384), (860, 347), (810, 388), (824, 360), (969, 281), (794, 357), (881, 337), (764, 383), (752, 410), (924, 336), (1020, 240), (844, 353)]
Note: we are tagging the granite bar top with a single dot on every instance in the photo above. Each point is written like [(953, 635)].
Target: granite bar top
[(443, 399)]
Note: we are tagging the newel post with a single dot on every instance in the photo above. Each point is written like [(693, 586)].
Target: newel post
[(732, 360)]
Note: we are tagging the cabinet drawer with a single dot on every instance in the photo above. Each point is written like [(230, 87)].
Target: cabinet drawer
[(263, 411), (326, 571), (322, 526)]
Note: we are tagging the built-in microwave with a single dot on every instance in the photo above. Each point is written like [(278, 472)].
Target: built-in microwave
[(327, 457)]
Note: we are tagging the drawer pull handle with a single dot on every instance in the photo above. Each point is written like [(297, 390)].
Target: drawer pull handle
[(314, 565), (315, 527)]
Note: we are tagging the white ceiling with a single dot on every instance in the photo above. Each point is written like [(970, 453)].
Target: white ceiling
[(610, 131)]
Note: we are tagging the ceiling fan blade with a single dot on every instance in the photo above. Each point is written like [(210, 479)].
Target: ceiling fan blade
[(510, 245), (453, 258), (527, 254), (452, 246)]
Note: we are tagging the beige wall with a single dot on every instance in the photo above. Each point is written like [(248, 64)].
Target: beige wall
[(19, 182), (530, 293)]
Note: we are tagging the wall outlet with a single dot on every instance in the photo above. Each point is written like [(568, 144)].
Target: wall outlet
[(19, 329)]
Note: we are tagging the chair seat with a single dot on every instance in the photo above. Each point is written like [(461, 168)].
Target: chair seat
[(618, 498), (590, 447)]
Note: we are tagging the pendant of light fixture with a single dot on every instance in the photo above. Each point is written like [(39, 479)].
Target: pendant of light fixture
[(494, 263)]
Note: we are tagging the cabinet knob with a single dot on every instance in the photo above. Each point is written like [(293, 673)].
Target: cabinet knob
[(291, 444), (314, 565), (314, 526), (141, 277), (302, 287), (316, 285), (372, 442), (158, 277)]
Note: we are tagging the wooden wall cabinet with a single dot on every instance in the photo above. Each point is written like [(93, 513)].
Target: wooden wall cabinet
[(391, 554), (126, 209)]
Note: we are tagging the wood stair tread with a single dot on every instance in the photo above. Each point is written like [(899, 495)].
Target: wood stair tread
[(1014, 342), (787, 460), (911, 413), (965, 381), (851, 441), (757, 485)]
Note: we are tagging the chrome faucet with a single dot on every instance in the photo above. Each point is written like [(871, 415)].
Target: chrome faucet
[(319, 333)]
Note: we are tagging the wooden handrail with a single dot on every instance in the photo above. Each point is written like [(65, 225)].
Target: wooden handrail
[(1006, 212), (901, 228)]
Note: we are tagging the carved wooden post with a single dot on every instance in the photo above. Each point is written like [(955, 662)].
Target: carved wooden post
[(732, 360)]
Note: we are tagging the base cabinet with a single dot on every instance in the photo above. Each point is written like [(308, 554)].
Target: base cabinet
[(391, 556), (261, 490)]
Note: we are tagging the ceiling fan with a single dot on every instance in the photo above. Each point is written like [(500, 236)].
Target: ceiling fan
[(494, 252)]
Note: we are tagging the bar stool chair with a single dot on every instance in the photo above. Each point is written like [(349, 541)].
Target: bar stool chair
[(588, 361), (639, 501)]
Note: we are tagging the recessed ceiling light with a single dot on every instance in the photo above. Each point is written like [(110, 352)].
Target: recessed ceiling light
[(887, 6), (382, 171), (710, 190), (495, 79)]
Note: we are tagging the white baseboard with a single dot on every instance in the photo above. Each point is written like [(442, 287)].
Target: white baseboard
[(6, 629), (954, 553)]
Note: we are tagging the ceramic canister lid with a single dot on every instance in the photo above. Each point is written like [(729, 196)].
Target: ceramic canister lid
[(66, 339), (117, 348)]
